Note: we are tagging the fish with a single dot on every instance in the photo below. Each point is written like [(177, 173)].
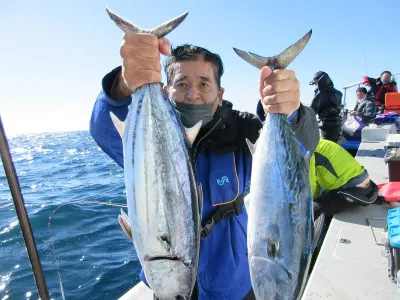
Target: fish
[(163, 197), (280, 226)]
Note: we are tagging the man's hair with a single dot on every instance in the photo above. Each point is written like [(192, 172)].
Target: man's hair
[(362, 90), (390, 73), (190, 52)]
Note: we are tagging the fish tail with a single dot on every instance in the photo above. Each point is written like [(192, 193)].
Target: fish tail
[(159, 31), (280, 61)]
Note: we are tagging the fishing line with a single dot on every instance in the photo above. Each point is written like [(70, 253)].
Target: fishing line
[(365, 60), (52, 236)]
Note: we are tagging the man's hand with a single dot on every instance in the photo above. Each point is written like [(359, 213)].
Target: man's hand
[(279, 91), (140, 53)]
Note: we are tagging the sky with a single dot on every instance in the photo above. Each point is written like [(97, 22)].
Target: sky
[(55, 53)]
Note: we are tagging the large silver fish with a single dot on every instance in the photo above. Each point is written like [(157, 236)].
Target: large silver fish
[(280, 216), (162, 196)]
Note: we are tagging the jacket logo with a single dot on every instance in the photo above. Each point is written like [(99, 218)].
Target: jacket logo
[(223, 180)]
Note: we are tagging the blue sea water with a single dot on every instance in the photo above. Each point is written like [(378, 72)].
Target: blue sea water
[(96, 259)]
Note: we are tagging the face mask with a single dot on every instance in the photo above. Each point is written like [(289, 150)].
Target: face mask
[(191, 114), (361, 100)]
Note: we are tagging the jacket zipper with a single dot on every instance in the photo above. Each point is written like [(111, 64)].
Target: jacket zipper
[(208, 133)]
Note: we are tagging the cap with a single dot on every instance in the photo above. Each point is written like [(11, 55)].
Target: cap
[(317, 76), (364, 79)]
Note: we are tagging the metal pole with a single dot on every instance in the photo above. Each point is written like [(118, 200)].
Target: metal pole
[(22, 214)]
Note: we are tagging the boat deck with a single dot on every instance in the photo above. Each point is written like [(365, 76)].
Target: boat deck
[(351, 264)]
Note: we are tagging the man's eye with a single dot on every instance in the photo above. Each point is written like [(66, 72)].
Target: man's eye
[(204, 84), (182, 84)]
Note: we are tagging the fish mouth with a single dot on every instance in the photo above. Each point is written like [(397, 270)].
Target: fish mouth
[(262, 265), (155, 258), (160, 258)]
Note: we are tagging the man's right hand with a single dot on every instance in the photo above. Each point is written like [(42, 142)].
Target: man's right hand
[(140, 53)]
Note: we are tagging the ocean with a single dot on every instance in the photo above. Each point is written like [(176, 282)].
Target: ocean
[(95, 258)]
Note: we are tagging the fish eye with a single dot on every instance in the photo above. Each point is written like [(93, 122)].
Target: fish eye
[(166, 241), (187, 262), (273, 248)]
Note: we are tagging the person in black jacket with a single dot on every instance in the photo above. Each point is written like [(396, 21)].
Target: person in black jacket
[(327, 104), (193, 83), (365, 108)]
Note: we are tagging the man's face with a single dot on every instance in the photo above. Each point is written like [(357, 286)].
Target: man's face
[(385, 77), (360, 95), (194, 82)]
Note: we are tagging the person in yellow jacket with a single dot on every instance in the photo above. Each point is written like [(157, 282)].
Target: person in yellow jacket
[(338, 181)]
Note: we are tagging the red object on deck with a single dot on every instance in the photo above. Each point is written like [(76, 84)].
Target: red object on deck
[(392, 101), (390, 191)]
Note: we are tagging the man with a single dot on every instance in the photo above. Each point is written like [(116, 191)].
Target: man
[(338, 181), (327, 104), (380, 87), (365, 108), (194, 86)]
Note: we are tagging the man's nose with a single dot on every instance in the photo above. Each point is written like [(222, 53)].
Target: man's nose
[(193, 94)]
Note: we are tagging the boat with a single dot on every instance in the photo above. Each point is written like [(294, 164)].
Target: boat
[(349, 264)]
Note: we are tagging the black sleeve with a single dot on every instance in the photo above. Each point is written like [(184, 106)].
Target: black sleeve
[(322, 99), (368, 111), (374, 87), (316, 103), (305, 126), (109, 79)]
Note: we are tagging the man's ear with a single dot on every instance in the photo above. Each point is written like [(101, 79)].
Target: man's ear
[(220, 95)]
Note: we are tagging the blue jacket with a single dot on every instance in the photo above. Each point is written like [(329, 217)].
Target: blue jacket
[(223, 167)]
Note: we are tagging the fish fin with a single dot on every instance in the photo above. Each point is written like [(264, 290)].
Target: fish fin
[(254, 61), (125, 25), (167, 27), (200, 197), (291, 52), (119, 125), (247, 200), (280, 61), (123, 220), (191, 133), (252, 147), (307, 157)]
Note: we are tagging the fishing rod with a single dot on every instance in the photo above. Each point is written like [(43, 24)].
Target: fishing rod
[(22, 214)]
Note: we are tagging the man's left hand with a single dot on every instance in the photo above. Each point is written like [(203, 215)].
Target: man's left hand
[(279, 91)]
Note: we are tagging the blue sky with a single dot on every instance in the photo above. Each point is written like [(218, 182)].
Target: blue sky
[(54, 53)]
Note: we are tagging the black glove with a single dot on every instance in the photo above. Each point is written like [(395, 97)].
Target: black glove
[(335, 201), (361, 195)]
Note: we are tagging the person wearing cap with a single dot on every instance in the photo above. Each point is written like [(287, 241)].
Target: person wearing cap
[(380, 86), (327, 104), (371, 83)]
